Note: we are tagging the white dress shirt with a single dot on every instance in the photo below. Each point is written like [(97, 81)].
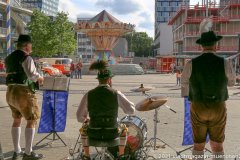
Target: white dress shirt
[(186, 74), (30, 69)]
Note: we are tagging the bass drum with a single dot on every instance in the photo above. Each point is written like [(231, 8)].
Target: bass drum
[(137, 133)]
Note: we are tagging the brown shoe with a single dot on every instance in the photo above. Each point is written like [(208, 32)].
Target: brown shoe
[(122, 157), (85, 157)]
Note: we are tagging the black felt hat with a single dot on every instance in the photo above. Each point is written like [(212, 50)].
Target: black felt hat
[(24, 38), (208, 38)]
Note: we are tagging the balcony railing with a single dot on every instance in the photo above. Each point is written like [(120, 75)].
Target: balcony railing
[(193, 48), (227, 32), (200, 18), (234, 17), (3, 31), (232, 2), (193, 33), (3, 51), (219, 48), (227, 48), (196, 33)]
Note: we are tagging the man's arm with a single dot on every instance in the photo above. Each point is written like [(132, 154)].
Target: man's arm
[(30, 69), (82, 112), (230, 73), (126, 105), (185, 78)]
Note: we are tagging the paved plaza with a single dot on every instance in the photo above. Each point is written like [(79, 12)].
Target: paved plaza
[(170, 128)]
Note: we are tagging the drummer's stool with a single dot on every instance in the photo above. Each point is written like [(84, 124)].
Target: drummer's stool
[(104, 144)]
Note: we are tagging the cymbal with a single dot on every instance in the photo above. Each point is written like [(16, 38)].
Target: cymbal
[(142, 89), (151, 103)]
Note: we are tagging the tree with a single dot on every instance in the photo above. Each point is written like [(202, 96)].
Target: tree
[(51, 36), (140, 43), (63, 32), (39, 31)]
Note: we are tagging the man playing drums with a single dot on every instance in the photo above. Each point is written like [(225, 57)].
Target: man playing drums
[(101, 103)]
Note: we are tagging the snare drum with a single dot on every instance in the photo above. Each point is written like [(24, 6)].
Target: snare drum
[(137, 132)]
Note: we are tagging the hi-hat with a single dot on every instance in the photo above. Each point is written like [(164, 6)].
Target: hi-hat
[(151, 103), (142, 89)]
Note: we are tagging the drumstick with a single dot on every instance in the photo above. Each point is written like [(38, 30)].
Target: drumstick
[(170, 108)]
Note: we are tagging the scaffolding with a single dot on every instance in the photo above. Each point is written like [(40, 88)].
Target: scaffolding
[(226, 22)]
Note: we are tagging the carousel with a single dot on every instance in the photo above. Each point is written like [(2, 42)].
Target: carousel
[(104, 31)]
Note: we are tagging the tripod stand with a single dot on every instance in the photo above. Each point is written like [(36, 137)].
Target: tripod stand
[(53, 132), (154, 139)]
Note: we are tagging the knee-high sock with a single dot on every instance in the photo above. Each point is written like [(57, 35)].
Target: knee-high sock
[(218, 155), (16, 134), (29, 135), (198, 155)]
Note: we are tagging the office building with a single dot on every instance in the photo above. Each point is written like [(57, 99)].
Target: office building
[(85, 48), (48, 7), (164, 10), (20, 16)]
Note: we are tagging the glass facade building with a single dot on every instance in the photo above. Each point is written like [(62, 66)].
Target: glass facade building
[(48, 7), (165, 9)]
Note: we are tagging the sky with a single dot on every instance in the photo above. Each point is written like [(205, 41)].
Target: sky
[(137, 12)]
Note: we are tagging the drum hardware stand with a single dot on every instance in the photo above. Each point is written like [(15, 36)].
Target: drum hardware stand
[(1, 153), (53, 132), (75, 150), (154, 139), (156, 121)]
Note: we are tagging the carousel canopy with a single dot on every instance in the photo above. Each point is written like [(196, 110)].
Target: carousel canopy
[(104, 16), (104, 30), (105, 21)]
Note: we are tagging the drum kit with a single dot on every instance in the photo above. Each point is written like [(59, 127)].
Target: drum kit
[(137, 128), (138, 145)]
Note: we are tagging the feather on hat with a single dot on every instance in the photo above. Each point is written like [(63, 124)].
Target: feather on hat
[(206, 25), (103, 68), (208, 37)]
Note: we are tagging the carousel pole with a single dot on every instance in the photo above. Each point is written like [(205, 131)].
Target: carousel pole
[(8, 27)]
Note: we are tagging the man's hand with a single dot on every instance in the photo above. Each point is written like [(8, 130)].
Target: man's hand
[(40, 80), (86, 120)]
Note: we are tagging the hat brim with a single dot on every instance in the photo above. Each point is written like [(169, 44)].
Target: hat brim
[(23, 41), (217, 39), (110, 76)]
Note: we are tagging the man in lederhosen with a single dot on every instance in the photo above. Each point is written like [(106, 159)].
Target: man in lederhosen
[(205, 80), (101, 103), (21, 80)]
